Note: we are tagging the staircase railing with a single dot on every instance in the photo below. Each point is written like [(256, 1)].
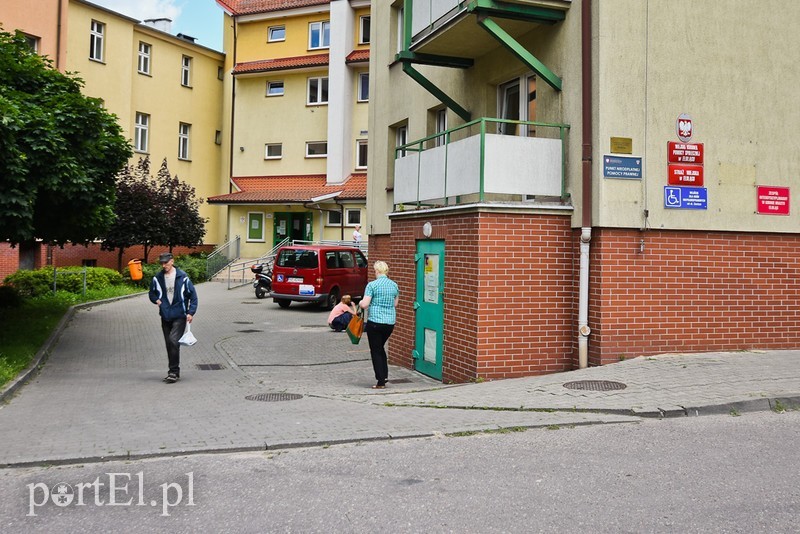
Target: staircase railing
[(238, 272), (222, 256), (363, 246)]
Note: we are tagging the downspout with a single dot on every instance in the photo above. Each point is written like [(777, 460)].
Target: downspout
[(233, 109), (586, 189), (58, 37)]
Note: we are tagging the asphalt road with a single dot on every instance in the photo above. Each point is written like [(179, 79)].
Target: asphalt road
[(707, 474)]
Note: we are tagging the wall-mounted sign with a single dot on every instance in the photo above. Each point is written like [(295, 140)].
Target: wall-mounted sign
[(685, 153), (771, 200), (685, 174), (628, 168), (621, 145), (684, 127), (687, 198)]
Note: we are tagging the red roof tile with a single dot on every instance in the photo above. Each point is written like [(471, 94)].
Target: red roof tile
[(286, 63), (298, 188), (357, 56), (249, 7)]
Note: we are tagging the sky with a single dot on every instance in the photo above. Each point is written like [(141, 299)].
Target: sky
[(198, 18)]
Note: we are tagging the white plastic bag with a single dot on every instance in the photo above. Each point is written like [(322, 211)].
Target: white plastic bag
[(188, 338)]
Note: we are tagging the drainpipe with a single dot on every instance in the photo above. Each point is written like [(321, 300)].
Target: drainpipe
[(59, 66), (586, 197)]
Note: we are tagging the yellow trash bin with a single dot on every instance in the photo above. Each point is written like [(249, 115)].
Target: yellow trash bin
[(135, 268)]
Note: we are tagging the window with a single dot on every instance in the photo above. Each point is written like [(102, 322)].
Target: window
[(346, 260), (334, 218), (220, 73), (96, 41), (319, 35), (183, 140), (140, 132), (274, 88), (363, 36), (88, 263), (363, 87), (400, 30), (276, 33), (33, 42), (401, 138), (361, 154), (273, 151), (441, 125), (317, 90), (516, 101), (316, 149), (353, 217), (186, 71), (144, 58)]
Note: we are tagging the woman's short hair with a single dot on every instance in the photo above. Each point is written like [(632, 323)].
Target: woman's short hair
[(346, 299), (381, 267)]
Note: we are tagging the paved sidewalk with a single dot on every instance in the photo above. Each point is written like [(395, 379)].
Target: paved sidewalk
[(100, 394)]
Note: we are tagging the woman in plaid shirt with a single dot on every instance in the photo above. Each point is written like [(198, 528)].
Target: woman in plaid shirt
[(380, 297)]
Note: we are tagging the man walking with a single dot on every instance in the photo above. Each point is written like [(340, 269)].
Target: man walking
[(176, 298)]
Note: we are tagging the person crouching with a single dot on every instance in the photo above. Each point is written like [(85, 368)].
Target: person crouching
[(341, 314)]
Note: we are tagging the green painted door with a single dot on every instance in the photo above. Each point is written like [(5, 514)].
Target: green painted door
[(299, 226), (429, 306)]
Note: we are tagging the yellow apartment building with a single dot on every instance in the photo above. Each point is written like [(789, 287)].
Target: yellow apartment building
[(296, 120)]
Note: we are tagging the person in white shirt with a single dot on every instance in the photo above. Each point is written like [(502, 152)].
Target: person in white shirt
[(357, 234)]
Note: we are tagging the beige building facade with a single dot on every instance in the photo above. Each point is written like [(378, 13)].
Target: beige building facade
[(627, 168)]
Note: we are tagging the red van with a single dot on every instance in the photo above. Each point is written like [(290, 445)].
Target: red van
[(318, 273)]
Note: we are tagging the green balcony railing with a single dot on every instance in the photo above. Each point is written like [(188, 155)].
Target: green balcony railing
[(483, 157)]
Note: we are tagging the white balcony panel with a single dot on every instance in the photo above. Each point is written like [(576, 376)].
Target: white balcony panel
[(522, 165), (405, 178), (464, 166), (426, 12), (431, 173)]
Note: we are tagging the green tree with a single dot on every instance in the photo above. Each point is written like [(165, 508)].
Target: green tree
[(59, 152), (185, 226)]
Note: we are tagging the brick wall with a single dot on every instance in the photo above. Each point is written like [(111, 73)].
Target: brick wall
[(9, 260), (692, 292), (508, 293)]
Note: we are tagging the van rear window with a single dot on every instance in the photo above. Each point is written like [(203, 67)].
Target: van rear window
[(298, 258)]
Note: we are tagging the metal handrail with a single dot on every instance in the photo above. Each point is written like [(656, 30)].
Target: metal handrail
[(221, 258), (241, 267), (363, 246)]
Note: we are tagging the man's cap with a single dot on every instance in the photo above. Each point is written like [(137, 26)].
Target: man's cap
[(165, 257)]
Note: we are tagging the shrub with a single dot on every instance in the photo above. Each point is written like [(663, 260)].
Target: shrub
[(194, 265), (9, 297), (70, 279)]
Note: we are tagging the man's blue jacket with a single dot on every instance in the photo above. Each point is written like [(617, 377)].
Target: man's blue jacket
[(184, 300)]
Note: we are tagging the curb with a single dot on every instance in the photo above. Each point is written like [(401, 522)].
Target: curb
[(44, 351)]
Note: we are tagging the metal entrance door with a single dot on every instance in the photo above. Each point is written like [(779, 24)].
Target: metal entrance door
[(429, 306)]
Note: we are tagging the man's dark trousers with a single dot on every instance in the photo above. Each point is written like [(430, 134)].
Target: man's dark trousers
[(173, 330)]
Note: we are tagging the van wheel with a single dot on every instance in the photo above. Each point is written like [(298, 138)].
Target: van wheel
[(333, 299), (283, 303)]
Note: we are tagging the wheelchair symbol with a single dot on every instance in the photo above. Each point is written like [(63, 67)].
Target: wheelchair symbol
[(672, 197)]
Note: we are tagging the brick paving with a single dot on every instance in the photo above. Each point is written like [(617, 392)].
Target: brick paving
[(100, 395)]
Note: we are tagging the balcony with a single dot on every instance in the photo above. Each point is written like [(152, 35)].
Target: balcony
[(441, 27), (471, 163)]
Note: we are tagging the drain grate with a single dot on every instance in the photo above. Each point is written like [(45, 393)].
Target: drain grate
[(595, 385), (400, 381), (242, 322), (249, 331), (246, 302), (210, 366), (274, 397)]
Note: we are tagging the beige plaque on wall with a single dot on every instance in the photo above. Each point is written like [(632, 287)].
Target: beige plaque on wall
[(621, 145)]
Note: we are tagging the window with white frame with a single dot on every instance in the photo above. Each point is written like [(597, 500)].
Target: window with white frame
[(186, 71), (334, 218), (144, 57), (319, 35), (96, 38), (317, 149), (441, 125), (400, 30), (273, 151), (275, 88), (33, 42), (353, 217), (401, 138), (318, 90), (361, 154), (141, 130), (183, 140), (363, 87), (276, 33), (363, 34)]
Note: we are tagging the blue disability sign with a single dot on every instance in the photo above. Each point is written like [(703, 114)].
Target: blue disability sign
[(687, 198), (628, 168)]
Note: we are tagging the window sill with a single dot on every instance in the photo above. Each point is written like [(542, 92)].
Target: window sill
[(315, 104), (145, 74), (93, 60), (187, 160)]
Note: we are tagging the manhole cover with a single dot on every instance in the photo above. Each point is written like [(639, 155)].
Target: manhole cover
[(400, 381), (274, 397), (595, 385), (210, 366), (249, 331), (245, 302)]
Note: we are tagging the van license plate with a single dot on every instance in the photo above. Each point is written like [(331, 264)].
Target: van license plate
[(295, 280), (306, 290)]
